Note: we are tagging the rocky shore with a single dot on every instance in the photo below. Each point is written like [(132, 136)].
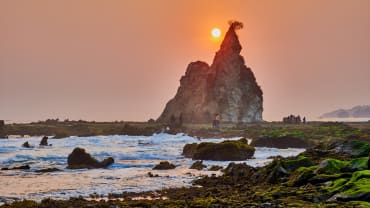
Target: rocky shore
[(332, 172)]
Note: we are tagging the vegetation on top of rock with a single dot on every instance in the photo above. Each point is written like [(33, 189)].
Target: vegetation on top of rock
[(355, 188), (331, 166), (225, 151)]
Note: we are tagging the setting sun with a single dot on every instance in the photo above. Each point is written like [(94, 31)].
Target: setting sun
[(216, 33)]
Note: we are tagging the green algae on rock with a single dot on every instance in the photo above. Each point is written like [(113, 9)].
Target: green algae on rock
[(225, 151)]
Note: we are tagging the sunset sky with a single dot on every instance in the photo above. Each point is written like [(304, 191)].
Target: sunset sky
[(122, 60)]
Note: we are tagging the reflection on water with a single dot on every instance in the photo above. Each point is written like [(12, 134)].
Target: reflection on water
[(134, 157)]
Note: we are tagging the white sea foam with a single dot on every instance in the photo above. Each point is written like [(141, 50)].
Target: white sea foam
[(134, 156)]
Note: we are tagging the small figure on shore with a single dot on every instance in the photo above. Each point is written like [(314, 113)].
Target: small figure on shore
[(216, 121), (44, 141), (304, 120)]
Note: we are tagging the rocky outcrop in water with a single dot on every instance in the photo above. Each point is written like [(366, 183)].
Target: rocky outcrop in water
[(164, 165), (198, 165), (227, 87), (224, 151), (44, 141), (79, 159), (26, 145)]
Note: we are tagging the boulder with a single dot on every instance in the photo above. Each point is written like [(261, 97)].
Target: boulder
[(356, 188), (301, 176), (215, 168), (226, 87), (239, 170), (357, 164), (291, 165), (189, 150), (225, 151), (79, 159), (44, 141), (354, 148), (198, 165), (151, 175), (26, 145), (281, 142), (164, 165), (331, 166)]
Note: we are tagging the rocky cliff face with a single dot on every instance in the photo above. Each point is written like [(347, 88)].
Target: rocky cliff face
[(227, 87)]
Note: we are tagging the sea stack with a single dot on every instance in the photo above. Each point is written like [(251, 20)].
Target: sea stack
[(227, 88)]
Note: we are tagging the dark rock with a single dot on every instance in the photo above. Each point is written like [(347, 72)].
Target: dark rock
[(291, 165), (239, 170), (276, 172), (44, 141), (2, 129), (281, 142), (47, 170), (227, 87), (225, 151), (26, 145), (215, 168), (357, 197), (330, 166), (150, 174), (198, 165), (354, 148), (301, 176), (164, 165), (80, 159), (189, 150), (23, 167)]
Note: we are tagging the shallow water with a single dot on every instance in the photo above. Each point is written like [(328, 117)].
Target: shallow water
[(134, 156)]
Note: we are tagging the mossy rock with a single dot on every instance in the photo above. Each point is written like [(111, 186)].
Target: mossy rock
[(215, 168), (357, 188), (292, 165), (301, 176), (354, 148), (357, 164), (189, 150), (324, 177), (164, 165), (331, 166), (225, 151), (198, 165)]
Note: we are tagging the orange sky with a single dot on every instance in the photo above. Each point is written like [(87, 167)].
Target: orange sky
[(122, 60)]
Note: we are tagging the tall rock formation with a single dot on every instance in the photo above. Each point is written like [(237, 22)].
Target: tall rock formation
[(227, 87)]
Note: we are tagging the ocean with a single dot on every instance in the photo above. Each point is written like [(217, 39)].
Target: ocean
[(134, 157)]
